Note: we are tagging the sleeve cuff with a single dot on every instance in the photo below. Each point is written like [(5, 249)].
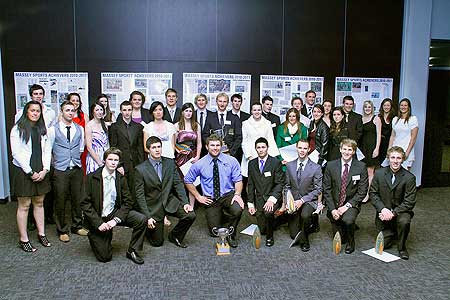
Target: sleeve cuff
[(250, 205), (272, 199)]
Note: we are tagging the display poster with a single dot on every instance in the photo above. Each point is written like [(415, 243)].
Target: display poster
[(212, 84), (118, 87), (282, 88), (56, 85), (362, 89)]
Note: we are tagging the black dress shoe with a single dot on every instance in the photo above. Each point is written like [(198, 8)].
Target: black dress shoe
[(404, 254), (232, 242), (134, 256), (177, 242), (270, 242), (349, 248), (305, 247)]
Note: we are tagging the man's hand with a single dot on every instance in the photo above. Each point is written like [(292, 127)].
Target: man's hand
[(204, 200), (121, 171), (342, 210), (385, 215), (268, 206), (187, 208), (335, 213), (251, 210), (298, 204), (151, 223), (104, 227), (238, 199)]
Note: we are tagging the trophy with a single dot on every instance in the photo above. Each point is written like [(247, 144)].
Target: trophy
[(257, 238), (379, 244), (337, 244), (222, 247), (288, 199), (222, 133)]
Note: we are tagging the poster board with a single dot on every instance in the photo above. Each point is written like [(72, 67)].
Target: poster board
[(212, 84), (118, 86), (282, 88), (56, 85), (362, 89)]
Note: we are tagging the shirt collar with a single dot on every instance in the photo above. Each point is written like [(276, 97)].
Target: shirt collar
[(154, 162), (219, 157), (264, 159), (304, 162), (349, 163), (105, 174)]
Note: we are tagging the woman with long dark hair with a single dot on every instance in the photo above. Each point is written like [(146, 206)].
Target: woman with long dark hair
[(292, 130), (109, 116), (405, 128), (318, 133), (96, 133), (328, 106), (338, 132), (31, 152), (386, 114)]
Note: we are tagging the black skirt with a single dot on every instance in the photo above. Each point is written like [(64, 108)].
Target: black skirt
[(23, 186)]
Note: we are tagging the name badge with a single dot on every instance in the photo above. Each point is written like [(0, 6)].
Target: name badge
[(274, 125), (287, 139), (227, 122), (230, 131), (267, 174), (356, 177)]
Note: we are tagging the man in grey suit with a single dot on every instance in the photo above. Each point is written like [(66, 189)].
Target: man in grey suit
[(393, 193), (345, 185), (304, 178), (159, 192), (265, 184)]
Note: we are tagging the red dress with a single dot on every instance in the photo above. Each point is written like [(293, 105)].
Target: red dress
[(82, 122)]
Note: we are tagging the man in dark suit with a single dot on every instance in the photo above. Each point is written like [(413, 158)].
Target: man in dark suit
[(310, 100), (393, 193), (236, 103), (127, 136), (160, 192), (203, 114), (106, 203), (226, 120), (172, 113), (345, 185), (354, 120), (304, 178), (267, 103), (265, 184)]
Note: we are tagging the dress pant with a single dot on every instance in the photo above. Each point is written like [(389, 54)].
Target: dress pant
[(100, 241), (185, 221), (67, 189), (345, 225), (265, 219), (397, 228), (221, 213), (301, 219)]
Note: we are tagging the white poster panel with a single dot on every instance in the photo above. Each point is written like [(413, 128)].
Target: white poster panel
[(56, 85), (212, 84), (362, 89), (282, 88), (118, 87)]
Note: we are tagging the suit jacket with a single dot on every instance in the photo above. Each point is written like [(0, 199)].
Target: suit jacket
[(399, 197), (233, 131), (310, 185), (355, 126), (176, 118), (92, 199), (132, 146), (153, 197), (244, 116), (260, 187), (274, 119), (356, 188), (208, 114)]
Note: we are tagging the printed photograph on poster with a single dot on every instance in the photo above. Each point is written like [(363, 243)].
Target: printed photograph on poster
[(112, 85), (362, 89), (282, 88), (211, 84)]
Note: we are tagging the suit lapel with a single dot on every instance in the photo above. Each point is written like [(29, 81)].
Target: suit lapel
[(123, 129), (151, 172)]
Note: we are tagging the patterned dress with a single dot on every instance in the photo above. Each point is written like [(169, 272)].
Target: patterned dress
[(186, 139), (100, 144)]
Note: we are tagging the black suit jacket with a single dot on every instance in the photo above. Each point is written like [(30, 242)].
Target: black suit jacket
[(274, 119), (233, 131), (92, 199), (244, 116), (176, 118), (260, 187), (356, 188), (153, 197), (355, 126), (132, 146), (400, 196)]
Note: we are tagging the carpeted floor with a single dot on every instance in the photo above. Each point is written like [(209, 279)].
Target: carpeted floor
[(70, 271)]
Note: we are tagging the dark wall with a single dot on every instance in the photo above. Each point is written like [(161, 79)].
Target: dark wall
[(318, 38)]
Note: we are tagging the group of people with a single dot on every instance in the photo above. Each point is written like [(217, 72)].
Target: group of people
[(126, 170)]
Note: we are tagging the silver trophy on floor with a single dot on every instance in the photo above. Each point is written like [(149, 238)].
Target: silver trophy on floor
[(222, 247)]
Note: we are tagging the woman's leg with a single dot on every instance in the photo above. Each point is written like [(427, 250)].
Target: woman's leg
[(22, 217), (38, 212)]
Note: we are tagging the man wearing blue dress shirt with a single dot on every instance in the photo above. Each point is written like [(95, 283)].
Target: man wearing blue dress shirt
[(221, 182)]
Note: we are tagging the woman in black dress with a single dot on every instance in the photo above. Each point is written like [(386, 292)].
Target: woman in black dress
[(31, 152), (370, 139), (386, 114), (338, 132)]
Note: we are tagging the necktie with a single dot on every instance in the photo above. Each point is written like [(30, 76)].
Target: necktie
[(158, 170), (343, 185), (261, 165), (346, 118), (299, 171), (216, 180), (68, 133), (201, 119), (172, 114), (109, 200), (310, 113), (128, 131), (393, 179), (222, 122)]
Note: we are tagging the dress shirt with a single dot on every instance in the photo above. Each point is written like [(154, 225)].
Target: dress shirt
[(199, 111), (109, 192), (238, 114), (229, 174), (304, 162), (154, 162), (343, 165)]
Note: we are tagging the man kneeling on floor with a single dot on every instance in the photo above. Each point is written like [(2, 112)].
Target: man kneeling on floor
[(106, 203)]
